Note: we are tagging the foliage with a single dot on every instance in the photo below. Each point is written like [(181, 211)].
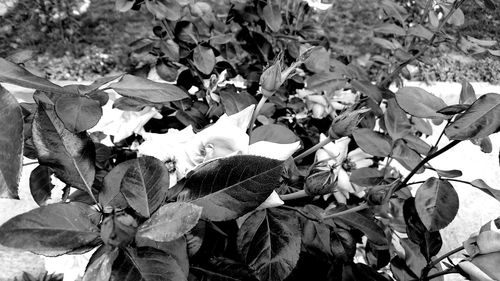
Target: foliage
[(186, 176)]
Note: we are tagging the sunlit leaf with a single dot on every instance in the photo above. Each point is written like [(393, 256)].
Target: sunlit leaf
[(483, 186), (273, 133), (272, 16), (420, 103), (467, 93), (318, 61), (204, 59), (396, 121), (372, 142), (40, 184), (136, 87)]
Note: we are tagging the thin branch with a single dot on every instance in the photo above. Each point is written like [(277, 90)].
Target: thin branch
[(261, 103), (295, 195), (358, 208), (313, 149), (30, 163)]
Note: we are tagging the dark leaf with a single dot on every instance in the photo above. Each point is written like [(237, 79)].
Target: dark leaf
[(227, 188), (273, 133), (223, 269), (272, 16), (417, 144), (316, 239), (453, 109), (40, 184), (415, 261), (479, 183), (204, 59), (144, 184), (367, 225), (110, 194), (71, 156), (93, 88), (100, 268), (359, 271), (480, 120), (420, 103), (368, 89), (53, 230), (78, 113), (406, 156), (235, 102), (396, 121), (366, 177), (11, 143), (327, 81), (170, 222), (436, 202), (14, 74), (372, 142), (269, 241), (484, 143), (130, 104), (21, 56), (146, 264), (489, 4), (178, 249), (136, 87), (100, 96)]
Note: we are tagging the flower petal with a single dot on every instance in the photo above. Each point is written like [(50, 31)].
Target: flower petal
[(122, 124), (274, 200), (344, 183), (273, 150), (337, 150), (474, 272), (240, 119)]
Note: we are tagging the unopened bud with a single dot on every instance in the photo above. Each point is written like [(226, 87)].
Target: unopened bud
[(118, 230), (344, 124), (270, 80), (320, 182)]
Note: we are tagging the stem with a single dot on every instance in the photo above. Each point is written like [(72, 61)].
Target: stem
[(433, 263), (30, 163), (360, 207), (255, 114), (294, 195), (312, 149), (415, 182), (441, 273), (424, 161)]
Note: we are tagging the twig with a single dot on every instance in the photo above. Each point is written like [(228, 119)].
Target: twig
[(258, 108), (295, 195), (358, 208), (312, 149), (30, 163)]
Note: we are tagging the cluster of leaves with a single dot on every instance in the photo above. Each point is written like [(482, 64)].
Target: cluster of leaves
[(204, 210)]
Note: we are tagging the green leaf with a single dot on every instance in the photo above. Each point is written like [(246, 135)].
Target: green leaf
[(178, 249), (368, 89), (326, 81), (170, 222), (415, 261), (421, 125), (396, 121), (223, 269), (406, 156), (483, 186), (140, 88), (368, 226), (269, 242), (420, 31), (110, 194), (144, 185), (318, 61), (437, 203), (272, 16), (164, 9), (11, 143), (146, 264), (420, 103), (449, 173), (204, 59), (273, 133), (233, 101), (78, 113), (366, 177), (53, 230), (457, 18), (390, 28), (100, 268), (40, 184), (480, 120), (246, 181), (71, 156), (123, 6), (417, 144), (316, 239), (372, 142), (14, 74), (467, 93), (453, 109)]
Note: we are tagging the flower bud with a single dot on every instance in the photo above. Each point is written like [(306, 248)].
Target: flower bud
[(344, 124), (320, 182), (118, 230), (270, 80)]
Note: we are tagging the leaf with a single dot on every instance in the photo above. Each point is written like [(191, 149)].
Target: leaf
[(396, 121), (53, 230), (420, 103), (437, 203), (480, 120), (484, 143), (368, 89), (467, 93), (366, 177), (384, 43), (71, 156), (170, 222), (372, 142), (223, 269), (316, 239), (457, 18), (318, 61), (273, 133), (178, 249), (489, 4), (269, 242), (326, 81), (11, 143), (406, 156), (368, 226), (136, 87), (390, 28), (204, 59), (233, 101), (415, 261), (420, 31), (146, 264), (417, 144), (78, 113), (144, 184), (123, 6), (453, 109), (100, 269), (483, 186), (14, 74), (164, 9), (246, 182), (272, 17), (40, 184), (110, 194), (449, 173)]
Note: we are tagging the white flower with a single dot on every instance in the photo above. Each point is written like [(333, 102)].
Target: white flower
[(318, 5)]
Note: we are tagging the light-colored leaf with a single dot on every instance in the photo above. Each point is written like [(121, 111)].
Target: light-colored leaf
[(204, 59), (420, 103), (272, 16), (396, 121), (136, 87), (372, 142)]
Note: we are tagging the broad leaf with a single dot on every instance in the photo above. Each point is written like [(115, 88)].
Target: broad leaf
[(449, 173), (368, 89), (421, 125), (368, 226), (144, 185), (123, 6), (178, 249), (53, 230), (100, 269), (415, 261), (406, 156), (436, 202), (223, 269), (41, 184), (110, 194), (326, 81), (146, 264), (372, 142), (204, 59), (390, 28), (396, 121), (235, 102), (467, 93), (420, 103), (170, 222), (366, 177), (417, 144), (480, 120), (11, 143), (272, 16), (420, 31), (479, 183), (78, 113), (318, 61), (316, 239), (14, 74), (228, 188), (453, 109), (269, 242), (136, 87), (273, 133), (71, 156)]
